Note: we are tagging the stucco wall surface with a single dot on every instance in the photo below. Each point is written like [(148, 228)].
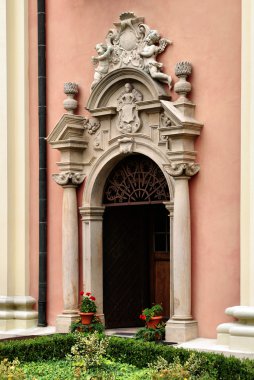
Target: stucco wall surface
[(208, 34)]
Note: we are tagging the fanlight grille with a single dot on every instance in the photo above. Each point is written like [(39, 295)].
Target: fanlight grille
[(136, 179)]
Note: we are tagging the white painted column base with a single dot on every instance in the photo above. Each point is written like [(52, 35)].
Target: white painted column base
[(17, 312), (238, 335), (181, 331)]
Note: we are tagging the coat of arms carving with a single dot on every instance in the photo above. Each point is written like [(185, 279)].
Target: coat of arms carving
[(128, 119)]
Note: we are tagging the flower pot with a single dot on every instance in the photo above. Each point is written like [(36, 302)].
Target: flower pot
[(86, 318), (154, 321)]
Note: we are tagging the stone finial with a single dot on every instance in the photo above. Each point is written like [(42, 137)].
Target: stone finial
[(182, 87), (70, 104)]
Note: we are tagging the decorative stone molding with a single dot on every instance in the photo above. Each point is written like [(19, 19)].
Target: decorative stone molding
[(70, 104), (69, 178), (92, 125), (128, 119), (126, 145), (182, 169), (131, 43), (165, 121)]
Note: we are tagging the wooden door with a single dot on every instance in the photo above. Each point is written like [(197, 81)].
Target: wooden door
[(136, 264), (126, 288)]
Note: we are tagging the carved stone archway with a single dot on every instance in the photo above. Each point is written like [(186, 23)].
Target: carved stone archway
[(131, 112)]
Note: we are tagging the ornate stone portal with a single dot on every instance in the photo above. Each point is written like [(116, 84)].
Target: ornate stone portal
[(131, 112)]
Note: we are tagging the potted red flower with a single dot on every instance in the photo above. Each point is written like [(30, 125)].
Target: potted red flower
[(87, 308), (152, 316)]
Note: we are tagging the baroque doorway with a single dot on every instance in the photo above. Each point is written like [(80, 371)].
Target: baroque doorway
[(136, 253)]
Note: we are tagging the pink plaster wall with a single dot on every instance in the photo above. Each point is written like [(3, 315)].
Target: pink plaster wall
[(208, 33)]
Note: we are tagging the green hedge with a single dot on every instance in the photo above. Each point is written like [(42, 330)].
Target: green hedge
[(36, 349), (125, 350)]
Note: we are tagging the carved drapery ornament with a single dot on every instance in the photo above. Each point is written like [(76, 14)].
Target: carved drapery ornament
[(69, 178), (131, 44), (128, 119), (182, 169), (92, 125)]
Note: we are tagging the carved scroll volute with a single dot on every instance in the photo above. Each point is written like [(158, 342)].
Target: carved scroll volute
[(182, 169), (69, 178)]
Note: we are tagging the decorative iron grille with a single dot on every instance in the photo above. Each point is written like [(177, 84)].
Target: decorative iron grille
[(136, 179)]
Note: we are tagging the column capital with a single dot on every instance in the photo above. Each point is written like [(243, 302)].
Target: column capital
[(69, 178), (92, 212), (182, 169), (170, 207)]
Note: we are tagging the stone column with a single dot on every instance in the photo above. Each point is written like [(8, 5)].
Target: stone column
[(92, 229), (70, 270), (170, 207), (181, 326)]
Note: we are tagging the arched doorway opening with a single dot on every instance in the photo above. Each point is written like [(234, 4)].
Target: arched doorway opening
[(136, 241)]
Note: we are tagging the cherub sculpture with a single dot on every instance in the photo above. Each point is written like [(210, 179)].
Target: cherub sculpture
[(149, 53), (102, 60)]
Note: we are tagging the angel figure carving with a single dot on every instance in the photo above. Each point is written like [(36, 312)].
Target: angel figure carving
[(128, 119), (102, 60), (149, 53)]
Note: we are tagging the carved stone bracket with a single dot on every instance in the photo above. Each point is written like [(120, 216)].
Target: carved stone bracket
[(92, 125), (126, 144), (131, 43), (182, 169), (69, 178)]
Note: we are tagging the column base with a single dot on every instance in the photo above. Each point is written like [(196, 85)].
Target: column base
[(238, 335), (181, 331), (64, 321), (17, 312)]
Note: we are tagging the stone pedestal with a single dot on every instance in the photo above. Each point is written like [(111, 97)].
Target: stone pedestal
[(17, 312), (181, 331)]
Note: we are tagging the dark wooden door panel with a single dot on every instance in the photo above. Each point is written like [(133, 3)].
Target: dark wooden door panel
[(125, 272)]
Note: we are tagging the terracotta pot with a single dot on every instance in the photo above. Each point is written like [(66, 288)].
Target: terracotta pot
[(154, 321), (86, 318)]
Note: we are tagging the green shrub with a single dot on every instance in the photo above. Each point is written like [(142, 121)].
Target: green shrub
[(150, 334), (11, 370)]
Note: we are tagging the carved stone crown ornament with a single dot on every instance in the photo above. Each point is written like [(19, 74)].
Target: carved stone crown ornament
[(69, 178), (131, 43)]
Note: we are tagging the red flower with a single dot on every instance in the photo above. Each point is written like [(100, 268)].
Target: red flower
[(92, 298), (88, 294), (81, 293), (142, 317)]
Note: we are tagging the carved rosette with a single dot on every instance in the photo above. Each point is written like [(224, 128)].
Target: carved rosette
[(92, 125), (131, 43), (69, 178), (182, 169)]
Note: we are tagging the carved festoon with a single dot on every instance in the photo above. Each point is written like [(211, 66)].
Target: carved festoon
[(69, 178), (92, 125), (131, 43), (128, 119), (182, 169)]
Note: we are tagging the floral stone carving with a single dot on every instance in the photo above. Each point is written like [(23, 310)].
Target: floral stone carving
[(128, 119), (182, 169), (131, 44), (69, 178)]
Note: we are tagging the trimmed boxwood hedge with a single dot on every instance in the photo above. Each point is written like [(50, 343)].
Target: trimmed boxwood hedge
[(125, 350)]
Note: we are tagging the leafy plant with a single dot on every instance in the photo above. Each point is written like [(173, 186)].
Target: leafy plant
[(87, 304), (88, 351), (11, 370), (153, 311), (151, 334)]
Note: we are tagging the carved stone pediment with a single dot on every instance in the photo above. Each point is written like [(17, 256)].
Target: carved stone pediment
[(131, 43)]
